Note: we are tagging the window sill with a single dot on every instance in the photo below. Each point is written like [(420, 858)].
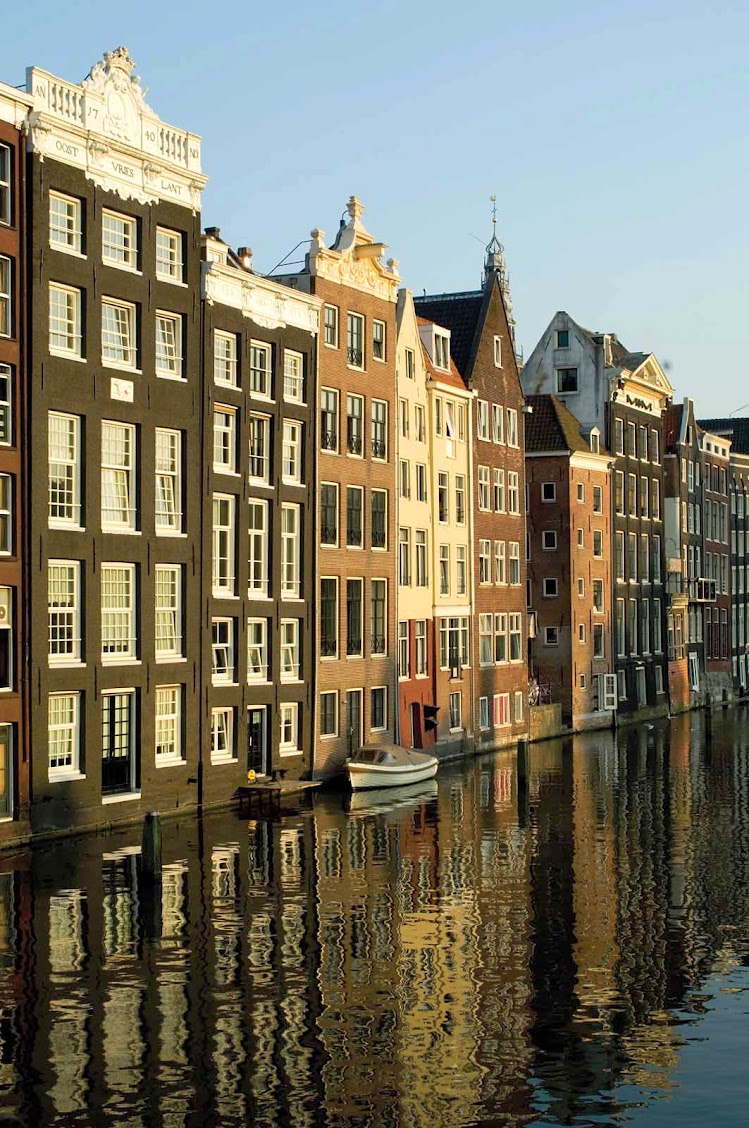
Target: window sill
[(226, 384), (169, 659), (254, 595), (66, 355), (125, 797), (121, 532), (221, 594), (329, 658), (284, 753), (69, 664), (292, 482), (172, 762), (113, 364), (174, 533), (108, 660), (172, 281), (121, 266), (225, 471), (328, 736), (66, 777), (226, 684), (258, 681), (170, 376), (68, 528), (219, 760), (66, 250)]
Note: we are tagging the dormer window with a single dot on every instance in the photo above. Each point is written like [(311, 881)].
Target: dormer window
[(497, 352), (442, 351), (563, 338), (595, 441), (566, 380)]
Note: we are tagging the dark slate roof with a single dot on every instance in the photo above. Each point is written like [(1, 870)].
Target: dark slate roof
[(736, 428), (460, 313), (552, 427)]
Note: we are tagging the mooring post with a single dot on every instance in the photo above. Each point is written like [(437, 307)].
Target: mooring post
[(151, 847)]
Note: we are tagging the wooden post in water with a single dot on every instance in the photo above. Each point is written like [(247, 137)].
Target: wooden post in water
[(151, 847), (150, 877)]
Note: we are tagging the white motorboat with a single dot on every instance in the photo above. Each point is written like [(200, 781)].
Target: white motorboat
[(389, 765)]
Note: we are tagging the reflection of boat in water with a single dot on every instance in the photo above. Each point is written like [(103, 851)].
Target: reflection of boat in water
[(390, 800), (389, 765)]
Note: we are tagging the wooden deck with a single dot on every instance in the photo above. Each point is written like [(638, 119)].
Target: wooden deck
[(269, 793)]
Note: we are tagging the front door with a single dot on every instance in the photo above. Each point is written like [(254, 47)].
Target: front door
[(117, 731), (416, 741), (6, 771), (354, 719), (257, 739)]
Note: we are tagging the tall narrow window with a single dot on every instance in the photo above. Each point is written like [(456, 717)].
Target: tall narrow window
[(168, 608), (460, 570), (328, 617), (378, 340), (444, 560), (118, 333), (169, 334), (63, 445), (443, 500), (379, 429), (290, 552), (292, 452), (258, 430), (6, 405), (119, 240), (354, 617), (224, 439), (404, 557), (169, 255), (379, 518), (289, 717), (169, 745), (403, 663), (64, 737), (354, 504), (225, 358), (5, 192), (257, 549), (6, 299), (168, 470), (64, 316), (118, 612), (293, 376), (118, 476), (260, 369), (222, 735), (329, 513), (421, 558), (512, 427), (257, 650), (355, 340), (379, 616), (420, 647), (64, 614), (6, 514), (354, 424), (328, 419), (224, 545), (222, 651), (65, 227), (330, 320), (289, 650)]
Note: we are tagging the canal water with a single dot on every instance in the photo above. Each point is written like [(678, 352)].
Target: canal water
[(564, 944)]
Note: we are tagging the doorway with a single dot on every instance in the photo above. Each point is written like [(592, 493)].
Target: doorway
[(416, 737), (257, 739), (117, 743), (354, 719)]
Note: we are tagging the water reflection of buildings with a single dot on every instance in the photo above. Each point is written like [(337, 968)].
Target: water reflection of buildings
[(518, 943)]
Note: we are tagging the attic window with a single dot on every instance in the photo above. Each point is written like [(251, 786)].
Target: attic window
[(442, 351), (566, 380), (563, 338), (497, 352), (595, 441)]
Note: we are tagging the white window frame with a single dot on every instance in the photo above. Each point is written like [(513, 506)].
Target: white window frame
[(293, 376), (118, 622), (328, 733), (258, 426), (498, 424), (291, 552), (67, 464), (548, 492), (354, 358), (119, 240), (6, 296), (289, 720), (548, 540), (64, 324), (484, 488), (168, 612), (224, 547), (69, 229), (225, 362), (421, 658), (289, 645), (223, 651), (64, 736), (292, 452), (404, 672), (512, 428), (381, 651), (170, 259), (330, 326), (168, 481), (257, 549), (378, 342), (455, 706), (257, 651), (119, 339), (64, 612), (379, 426), (168, 736), (380, 689), (6, 201), (330, 409), (169, 340), (222, 735), (118, 476), (224, 439), (497, 352), (261, 375), (6, 405), (513, 492), (482, 420)]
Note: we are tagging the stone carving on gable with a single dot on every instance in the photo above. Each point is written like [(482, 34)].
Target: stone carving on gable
[(123, 97)]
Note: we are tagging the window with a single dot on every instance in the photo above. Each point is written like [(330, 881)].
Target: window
[(405, 478), (224, 545), (169, 747), (225, 358), (222, 651), (501, 710), (64, 611), (456, 720), (170, 265), (403, 664), (551, 636), (290, 552), (566, 380), (655, 447), (419, 424), (656, 499), (63, 444), (257, 549), (656, 560), (65, 221), (632, 556), (289, 716), (632, 440), (6, 300), (168, 586), (515, 563), (550, 586), (6, 404), (119, 240), (355, 340), (420, 647), (598, 643), (444, 563), (619, 492), (619, 436), (403, 417), (117, 731), (258, 428), (329, 713), (5, 193), (563, 338), (222, 735), (597, 499), (597, 543), (498, 423), (378, 340), (118, 333), (260, 369), (118, 476), (485, 561), (421, 483), (257, 650), (643, 444), (118, 612), (632, 495), (513, 492), (484, 490), (168, 481), (548, 540), (328, 419), (421, 558), (500, 562), (497, 352), (293, 376), (379, 518), (292, 452), (443, 502), (63, 727), (169, 335), (482, 419), (644, 497), (581, 588), (379, 616), (354, 617), (224, 440), (354, 528), (516, 648), (379, 429), (512, 427), (461, 580), (404, 557), (328, 617), (64, 317), (330, 326), (454, 644), (548, 491), (619, 556), (442, 351), (484, 712), (657, 638), (437, 416), (378, 705), (486, 640), (289, 650), (598, 596)]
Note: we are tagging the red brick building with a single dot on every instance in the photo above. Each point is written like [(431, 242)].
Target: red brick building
[(715, 453)]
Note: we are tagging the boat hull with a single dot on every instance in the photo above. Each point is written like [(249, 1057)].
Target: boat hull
[(363, 776)]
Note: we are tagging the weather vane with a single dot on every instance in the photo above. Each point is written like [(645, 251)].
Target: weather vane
[(494, 213)]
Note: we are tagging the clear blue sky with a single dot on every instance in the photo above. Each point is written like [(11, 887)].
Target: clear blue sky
[(613, 132)]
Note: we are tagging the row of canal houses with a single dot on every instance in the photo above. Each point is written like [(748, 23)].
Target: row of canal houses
[(251, 523)]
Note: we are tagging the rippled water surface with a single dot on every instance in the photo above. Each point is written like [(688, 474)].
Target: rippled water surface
[(563, 941)]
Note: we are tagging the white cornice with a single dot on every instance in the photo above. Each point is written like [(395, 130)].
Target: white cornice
[(267, 303), (356, 258), (105, 127), (14, 105)]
